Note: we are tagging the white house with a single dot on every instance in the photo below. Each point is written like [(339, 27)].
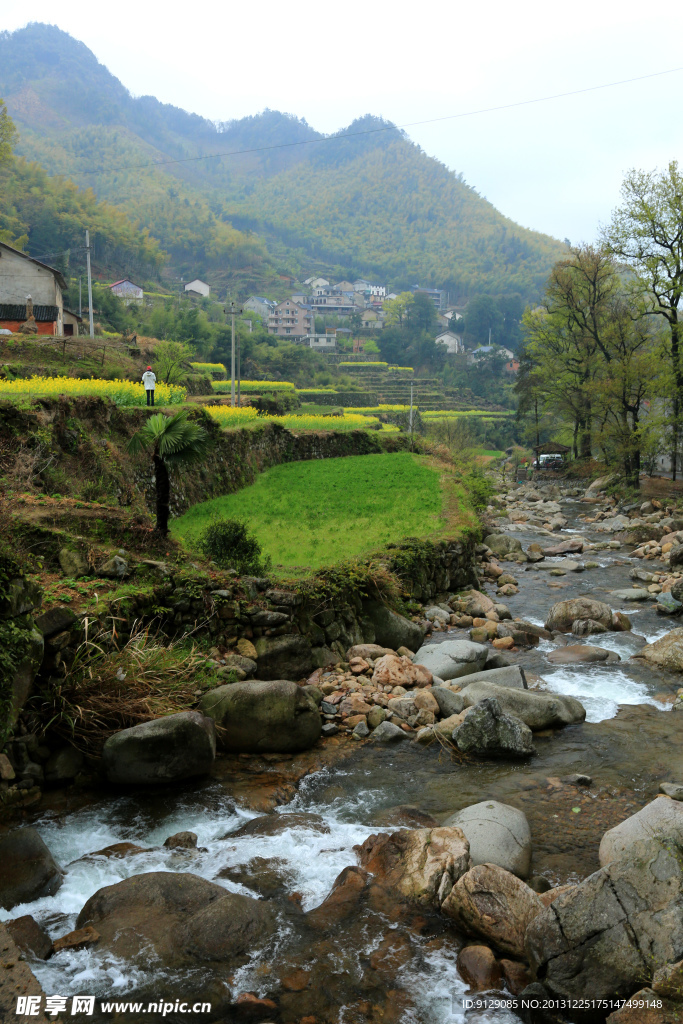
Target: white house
[(453, 342), (127, 291), (490, 350), (198, 287)]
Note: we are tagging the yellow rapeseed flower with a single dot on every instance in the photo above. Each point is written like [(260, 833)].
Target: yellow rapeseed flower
[(121, 392)]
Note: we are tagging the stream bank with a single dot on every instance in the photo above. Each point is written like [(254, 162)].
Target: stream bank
[(378, 959)]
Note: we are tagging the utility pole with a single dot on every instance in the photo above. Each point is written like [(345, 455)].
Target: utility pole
[(411, 415), (87, 254), (80, 301), (233, 310), (489, 335)]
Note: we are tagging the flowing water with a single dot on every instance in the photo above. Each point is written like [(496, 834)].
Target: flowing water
[(628, 745)]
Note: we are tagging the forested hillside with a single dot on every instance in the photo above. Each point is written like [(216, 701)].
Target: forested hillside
[(373, 204)]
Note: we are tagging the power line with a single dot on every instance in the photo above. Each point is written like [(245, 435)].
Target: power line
[(386, 128)]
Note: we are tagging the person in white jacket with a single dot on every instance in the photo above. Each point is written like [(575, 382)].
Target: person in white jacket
[(149, 380)]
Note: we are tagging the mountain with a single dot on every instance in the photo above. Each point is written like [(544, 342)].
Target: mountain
[(364, 202)]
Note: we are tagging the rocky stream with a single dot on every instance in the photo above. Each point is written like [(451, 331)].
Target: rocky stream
[(444, 840)]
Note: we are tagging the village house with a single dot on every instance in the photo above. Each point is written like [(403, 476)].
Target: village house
[(373, 319), (29, 287), (452, 341), (326, 299), (127, 291), (257, 304), (292, 320), (198, 289), (489, 350), (435, 294)]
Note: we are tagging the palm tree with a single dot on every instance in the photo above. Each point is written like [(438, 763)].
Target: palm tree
[(173, 441)]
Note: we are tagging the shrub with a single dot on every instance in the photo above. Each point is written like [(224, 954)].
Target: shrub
[(276, 404), (229, 543)]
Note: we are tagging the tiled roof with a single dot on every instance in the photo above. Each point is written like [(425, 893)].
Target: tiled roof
[(42, 314)]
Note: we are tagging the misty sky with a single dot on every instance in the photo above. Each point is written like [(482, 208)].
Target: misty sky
[(554, 166)]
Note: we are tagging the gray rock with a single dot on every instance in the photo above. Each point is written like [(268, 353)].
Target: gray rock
[(55, 620), (391, 629), (667, 604), (20, 596), (583, 654), (586, 627), (563, 614), (605, 937), (449, 703), (258, 717), (676, 556), (677, 590), (538, 710), (667, 652), (661, 819), (21, 685), (361, 730), (631, 594), (164, 750), (497, 834), (28, 868), (434, 613), (115, 568), (672, 789), (64, 765), (502, 544), (487, 731), (510, 675), (269, 618), (376, 716), (452, 658), (577, 779), (72, 563), (284, 657), (387, 732), (329, 729), (237, 662)]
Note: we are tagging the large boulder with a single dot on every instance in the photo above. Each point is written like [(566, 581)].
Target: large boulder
[(563, 614), (538, 710), (260, 717), (604, 938), (488, 732), (662, 818), (507, 675), (497, 834), (21, 682), (475, 603), (284, 657), (392, 670), (413, 863), (391, 629), (502, 544), (450, 703), (600, 484), (177, 916), (667, 652), (452, 658), (494, 904), (28, 869), (165, 750)]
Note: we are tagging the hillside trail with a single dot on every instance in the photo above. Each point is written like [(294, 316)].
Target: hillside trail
[(628, 745)]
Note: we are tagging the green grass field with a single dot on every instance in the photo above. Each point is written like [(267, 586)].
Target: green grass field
[(315, 513)]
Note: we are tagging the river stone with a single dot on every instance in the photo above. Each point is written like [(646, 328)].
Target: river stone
[(366, 651), (563, 615), (260, 717), (387, 732), (164, 750), (580, 654), (509, 675), (276, 824), (537, 709), (115, 568), (502, 544), (284, 657), (631, 594), (488, 732), (391, 629), (586, 627), (450, 703), (28, 868), (667, 604), (672, 789), (476, 604), (600, 484), (605, 937), (413, 862), (177, 916), (240, 664), (667, 652), (478, 967), (376, 716), (452, 658), (661, 818), (30, 937), (676, 556), (494, 904), (567, 547), (497, 834)]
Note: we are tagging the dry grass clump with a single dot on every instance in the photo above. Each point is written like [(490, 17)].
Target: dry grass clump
[(108, 689)]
